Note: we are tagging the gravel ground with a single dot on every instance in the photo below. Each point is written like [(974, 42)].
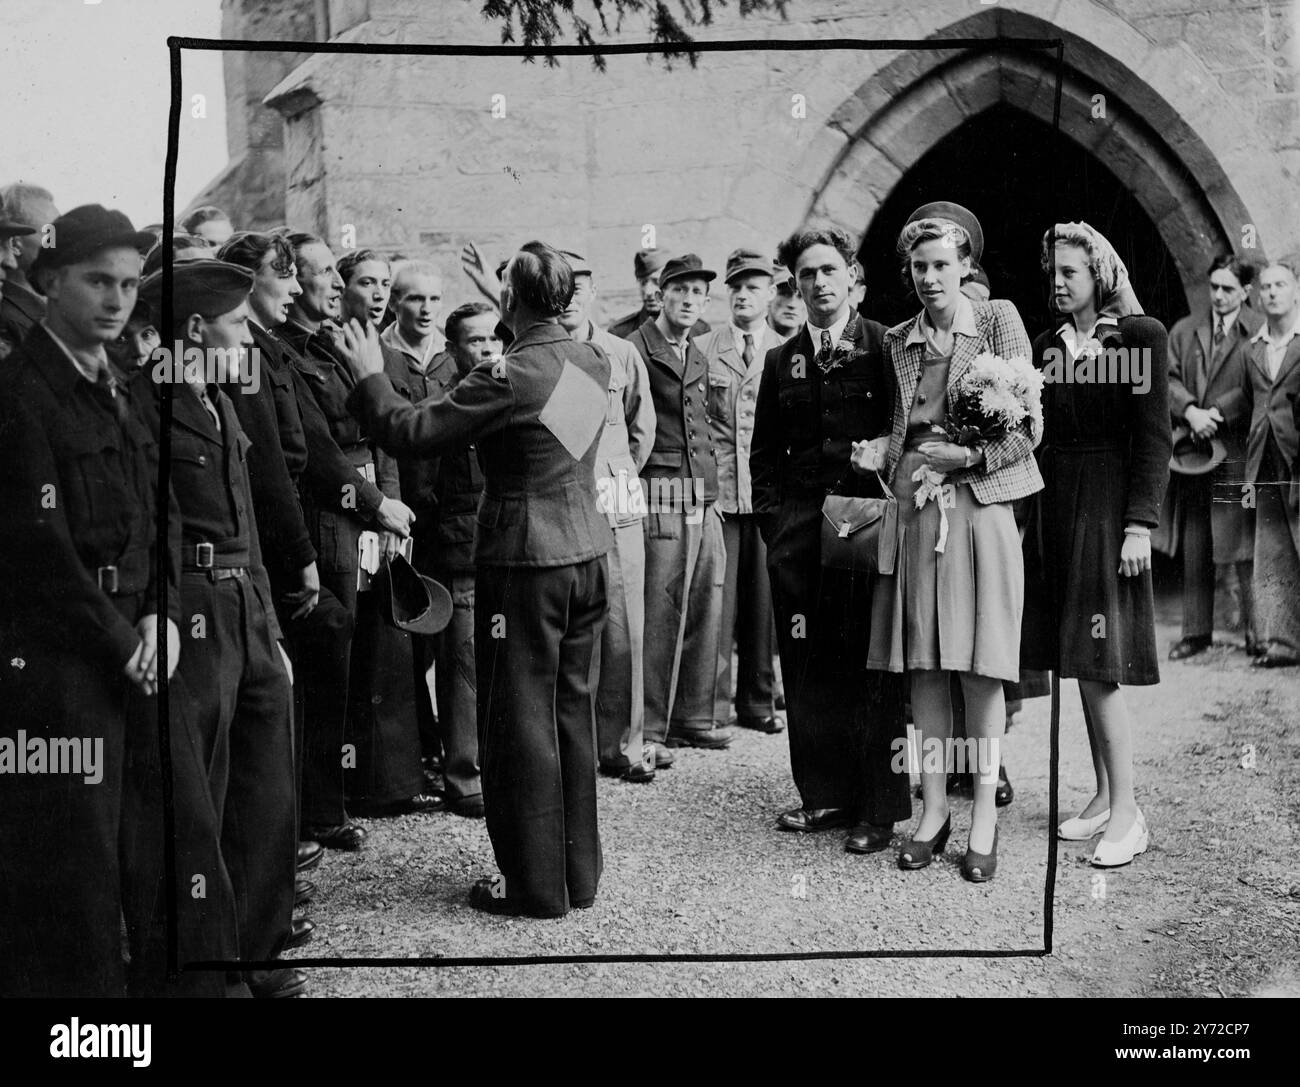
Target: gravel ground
[(694, 865)]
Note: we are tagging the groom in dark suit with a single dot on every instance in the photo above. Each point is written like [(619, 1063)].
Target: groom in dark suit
[(821, 390)]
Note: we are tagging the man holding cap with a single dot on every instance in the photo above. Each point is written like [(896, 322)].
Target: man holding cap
[(81, 629), (685, 558), (647, 264), (735, 354), (236, 677), (625, 443)]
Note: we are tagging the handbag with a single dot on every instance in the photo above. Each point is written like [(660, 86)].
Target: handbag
[(860, 534)]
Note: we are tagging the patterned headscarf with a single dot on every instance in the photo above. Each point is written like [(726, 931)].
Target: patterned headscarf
[(1115, 297)]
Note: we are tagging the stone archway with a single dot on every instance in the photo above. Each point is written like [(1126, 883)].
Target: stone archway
[(919, 98)]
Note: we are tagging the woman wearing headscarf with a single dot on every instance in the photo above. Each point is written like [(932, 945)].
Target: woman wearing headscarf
[(1089, 612), (955, 604)]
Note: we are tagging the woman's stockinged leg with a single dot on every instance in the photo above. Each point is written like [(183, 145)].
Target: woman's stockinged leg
[(1114, 738), (985, 724), (932, 713), (1101, 798)]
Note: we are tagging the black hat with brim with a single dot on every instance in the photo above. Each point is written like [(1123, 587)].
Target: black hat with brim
[(1193, 456), (85, 231), (688, 266), (411, 601)]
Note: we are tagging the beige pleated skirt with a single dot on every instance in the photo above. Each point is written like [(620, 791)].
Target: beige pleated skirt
[(957, 611)]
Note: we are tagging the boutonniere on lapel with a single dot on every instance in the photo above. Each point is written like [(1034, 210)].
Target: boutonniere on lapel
[(842, 353)]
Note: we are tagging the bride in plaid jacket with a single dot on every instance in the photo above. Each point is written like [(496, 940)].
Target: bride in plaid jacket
[(958, 586)]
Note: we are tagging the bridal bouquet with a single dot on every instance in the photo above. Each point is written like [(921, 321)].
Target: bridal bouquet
[(992, 398)]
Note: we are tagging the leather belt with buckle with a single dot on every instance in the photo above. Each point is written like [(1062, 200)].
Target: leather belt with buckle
[(107, 578), (201, 558)]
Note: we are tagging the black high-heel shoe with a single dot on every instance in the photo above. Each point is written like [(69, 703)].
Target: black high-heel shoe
[(980, 867), (917, 853), (1003, 794)]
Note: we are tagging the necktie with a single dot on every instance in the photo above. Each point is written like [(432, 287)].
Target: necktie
[(826, 343), (748, 353)]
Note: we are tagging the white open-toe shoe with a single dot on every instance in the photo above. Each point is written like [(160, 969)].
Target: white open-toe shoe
[(1079, 829), (1117, 854)]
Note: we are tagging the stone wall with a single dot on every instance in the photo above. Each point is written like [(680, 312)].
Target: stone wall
[(1202, 109)]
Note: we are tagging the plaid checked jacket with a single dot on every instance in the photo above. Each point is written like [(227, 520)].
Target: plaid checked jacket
[(1009, 470)]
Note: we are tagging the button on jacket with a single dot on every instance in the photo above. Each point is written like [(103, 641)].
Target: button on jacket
[(683, 446), (629, 433), (211, 481), (733, 399), (537, 415)]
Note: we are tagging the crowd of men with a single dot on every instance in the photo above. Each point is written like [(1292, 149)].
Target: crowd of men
[(584, 497)]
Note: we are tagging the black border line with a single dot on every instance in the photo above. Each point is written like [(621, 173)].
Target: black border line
[(175, 45)]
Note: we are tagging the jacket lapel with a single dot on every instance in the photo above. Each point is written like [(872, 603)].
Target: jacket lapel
[(907, 370), (662, 353), (1289, 361), (965, 348)]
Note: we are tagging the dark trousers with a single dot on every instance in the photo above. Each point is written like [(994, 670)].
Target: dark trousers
[(1277, 554), (843, 719), (746, 621), (201, 895), (320, 646), (60, 877), (535, 630), (382, 726), (240, 699), (1197, 541), (457, 687)]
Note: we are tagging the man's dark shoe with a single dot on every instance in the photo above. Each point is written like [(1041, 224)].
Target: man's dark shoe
[(664, 758), (310, 855), (713, 739), (347, 836), (811, 819), (303, 891), (471, 807), (409, 805), (1189, 646), (869, 837), (299, 932), (1255, 647), (770, 725), (276, 984), (778, 700)]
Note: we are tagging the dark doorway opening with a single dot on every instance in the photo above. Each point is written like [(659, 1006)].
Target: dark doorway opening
[(1018, 177)]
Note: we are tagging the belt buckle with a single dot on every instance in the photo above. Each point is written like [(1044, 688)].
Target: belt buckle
[(107, 578), (203, 556)]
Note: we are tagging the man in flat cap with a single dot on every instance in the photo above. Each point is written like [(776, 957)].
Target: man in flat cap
[(81, 630), (26, 211), (235, 674), (646, 265), (685, 558), (540, 576), (735, 353), (625, 444)]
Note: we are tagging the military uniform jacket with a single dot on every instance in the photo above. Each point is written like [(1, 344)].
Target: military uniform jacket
[(275, 497), (459, 487), (733, 398), (629, 433), (81, 470), (210, 477), (537, 414), (683, 446), (327, 375)]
